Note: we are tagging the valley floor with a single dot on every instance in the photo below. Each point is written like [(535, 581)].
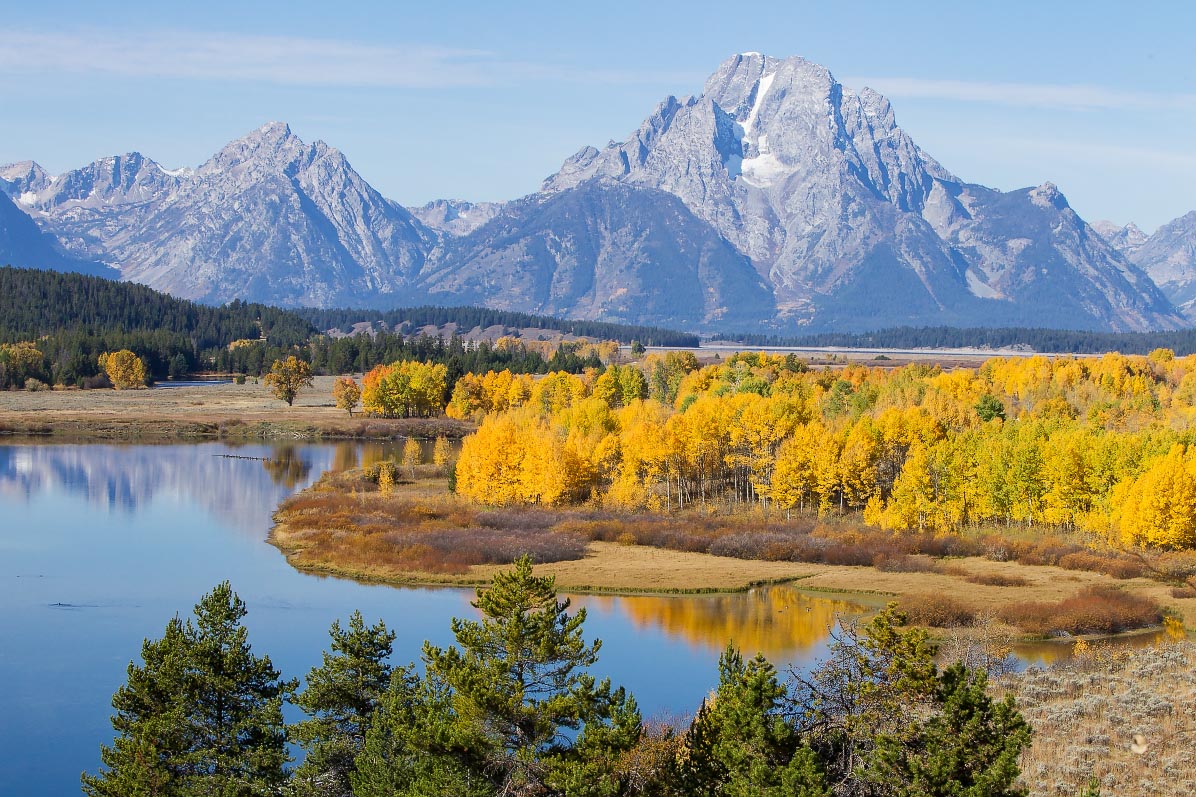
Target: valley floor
[(216, 411)]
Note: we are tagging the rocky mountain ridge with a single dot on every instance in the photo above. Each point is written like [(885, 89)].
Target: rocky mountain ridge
[(777, 200), (1168, 256)]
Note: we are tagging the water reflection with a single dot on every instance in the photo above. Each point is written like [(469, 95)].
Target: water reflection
[(287, 468), (1048, 652), (780, 621), (126, 478)]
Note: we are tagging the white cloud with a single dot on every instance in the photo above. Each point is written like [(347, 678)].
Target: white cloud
[(237, 57), (284, 60), (1029, 95)]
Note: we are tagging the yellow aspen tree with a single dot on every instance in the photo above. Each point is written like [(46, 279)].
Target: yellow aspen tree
[(346, 393), (412, 453), (287, 377), (125, 369), (441, 453)]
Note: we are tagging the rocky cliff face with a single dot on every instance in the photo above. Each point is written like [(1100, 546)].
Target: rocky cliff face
[(606, 251), (268, 218), (838, 208), (1168, 256), (24, 245), (777, 200)]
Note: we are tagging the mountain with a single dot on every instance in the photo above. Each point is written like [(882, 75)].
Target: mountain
[(776, 201), (22, 243), (1168, 256), (602, 251), (455, 216), (1127, 240), (268, 218), (853, 224)]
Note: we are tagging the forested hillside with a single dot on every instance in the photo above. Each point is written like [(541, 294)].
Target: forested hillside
[(38, 303), (54, 327), (467, 318)]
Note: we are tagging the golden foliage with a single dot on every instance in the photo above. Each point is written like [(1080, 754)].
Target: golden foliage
[(287, 377), (125, 369), (346, 393), (1083, 443), (405, 389)]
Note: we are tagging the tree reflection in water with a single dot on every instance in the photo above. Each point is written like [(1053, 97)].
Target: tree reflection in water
[(779, 621), (286, 467)]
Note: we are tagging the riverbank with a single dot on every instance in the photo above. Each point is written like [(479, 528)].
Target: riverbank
[(203, 412), (420, 534)]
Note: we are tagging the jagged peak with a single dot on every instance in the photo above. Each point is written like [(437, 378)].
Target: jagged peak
[(23, 169), (1048, 195)]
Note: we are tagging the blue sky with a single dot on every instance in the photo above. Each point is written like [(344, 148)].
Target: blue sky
[(482, 100)]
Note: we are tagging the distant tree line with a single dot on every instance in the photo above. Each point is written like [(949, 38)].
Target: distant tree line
[(71, 319), (54, 327), (1064, 341), (512, 709), (467, 318)]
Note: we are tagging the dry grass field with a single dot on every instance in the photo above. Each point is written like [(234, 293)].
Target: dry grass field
[(224, 410), (1126, 717)]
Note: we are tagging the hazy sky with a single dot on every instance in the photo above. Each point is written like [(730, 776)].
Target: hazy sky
[(482, 100)]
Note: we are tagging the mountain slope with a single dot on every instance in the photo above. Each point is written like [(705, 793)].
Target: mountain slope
[(23, 244), (834, 203), (268, 218), (602, 251), (776, 201), (1168, 256)]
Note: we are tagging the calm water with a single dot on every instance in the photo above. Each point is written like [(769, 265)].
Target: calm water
[(100, 545)]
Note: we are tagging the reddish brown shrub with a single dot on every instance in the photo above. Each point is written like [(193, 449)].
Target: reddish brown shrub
[(1095, 610), (936, 611)]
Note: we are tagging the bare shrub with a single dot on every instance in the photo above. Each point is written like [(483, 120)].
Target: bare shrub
[(1115, 565), (903, 563)]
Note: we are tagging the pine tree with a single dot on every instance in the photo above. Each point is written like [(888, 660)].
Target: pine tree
[(201, 716), (968, 748), (341, 697), (510, 712), (739, 745)]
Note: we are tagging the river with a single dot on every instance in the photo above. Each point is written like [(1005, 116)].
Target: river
[(101, 544)]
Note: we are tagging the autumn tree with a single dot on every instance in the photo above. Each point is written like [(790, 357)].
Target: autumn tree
[(346, 393), (19, 363), (441, 453), (200, 715), (412, 454), (124, 369), (287, 377), (405, 389)]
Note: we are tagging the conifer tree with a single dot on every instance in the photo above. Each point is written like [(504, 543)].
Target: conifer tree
[(509, 710), (739, 745), (341, 697), (201, 716), (968, 748)]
